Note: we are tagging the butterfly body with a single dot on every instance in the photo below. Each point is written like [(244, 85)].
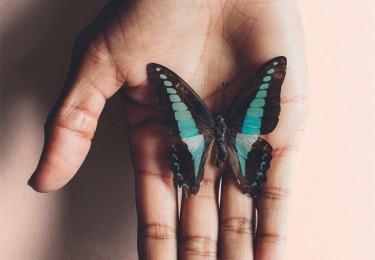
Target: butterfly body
[(254, 111), (220, 137)]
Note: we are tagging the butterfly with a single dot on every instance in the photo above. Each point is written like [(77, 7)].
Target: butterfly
[(254, 112)]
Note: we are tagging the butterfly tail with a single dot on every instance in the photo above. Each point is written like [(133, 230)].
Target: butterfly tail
[(182, 166), (257, 164)]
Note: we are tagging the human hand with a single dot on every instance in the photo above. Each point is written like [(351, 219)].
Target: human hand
[(205, 42)]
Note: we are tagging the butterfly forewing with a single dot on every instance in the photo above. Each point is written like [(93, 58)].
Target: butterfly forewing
[(167, 85), (260, 97), (189, 122), (256, 111)]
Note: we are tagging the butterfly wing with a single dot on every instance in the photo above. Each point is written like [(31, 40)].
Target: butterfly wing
[(189, 121), (255, 111)]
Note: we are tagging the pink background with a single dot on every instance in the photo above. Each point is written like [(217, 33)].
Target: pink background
[(333, 214)]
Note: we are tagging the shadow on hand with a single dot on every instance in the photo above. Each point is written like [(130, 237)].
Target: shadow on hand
[(98, 219)]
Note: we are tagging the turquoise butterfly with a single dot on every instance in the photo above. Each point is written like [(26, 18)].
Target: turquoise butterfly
[(254, 112)]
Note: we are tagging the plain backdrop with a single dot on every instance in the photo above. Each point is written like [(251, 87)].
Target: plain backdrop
[(94, 216)]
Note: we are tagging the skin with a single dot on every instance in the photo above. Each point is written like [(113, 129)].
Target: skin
[(206, 43)]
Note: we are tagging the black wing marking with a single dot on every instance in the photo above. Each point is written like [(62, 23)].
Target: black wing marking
[(255, 111), (256, 165), (183, 164), (266, 81), (189, 121), (158, 74)]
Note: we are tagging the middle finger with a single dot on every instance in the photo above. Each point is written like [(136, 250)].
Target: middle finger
[(199, 220)]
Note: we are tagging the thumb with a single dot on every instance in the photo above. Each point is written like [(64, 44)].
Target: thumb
[(72, 123)]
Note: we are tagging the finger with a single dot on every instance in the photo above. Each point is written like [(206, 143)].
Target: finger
[(272, 207), (157, 209), (282, 26), (273, 204), (199, 220), (236, 221), (71, 125)]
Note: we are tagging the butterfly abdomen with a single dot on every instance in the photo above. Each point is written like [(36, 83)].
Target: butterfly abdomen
[(220, 136)]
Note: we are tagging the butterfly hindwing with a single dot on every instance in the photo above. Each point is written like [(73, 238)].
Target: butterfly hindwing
[(189, 122), (257, 165), (255, 111), (183, 163)]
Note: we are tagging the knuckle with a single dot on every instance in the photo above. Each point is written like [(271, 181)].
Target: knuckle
[(207, 189), (272, 238), (77, 120), (277, 193), (302, 99), (199, 246), (238, 225), (166, 178), (157, 231), (210, 183), (284, 150)]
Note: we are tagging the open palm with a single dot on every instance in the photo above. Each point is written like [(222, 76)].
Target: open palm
[(206, 43)]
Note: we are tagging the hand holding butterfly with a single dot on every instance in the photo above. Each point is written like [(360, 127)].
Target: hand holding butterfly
[(206, 43)]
